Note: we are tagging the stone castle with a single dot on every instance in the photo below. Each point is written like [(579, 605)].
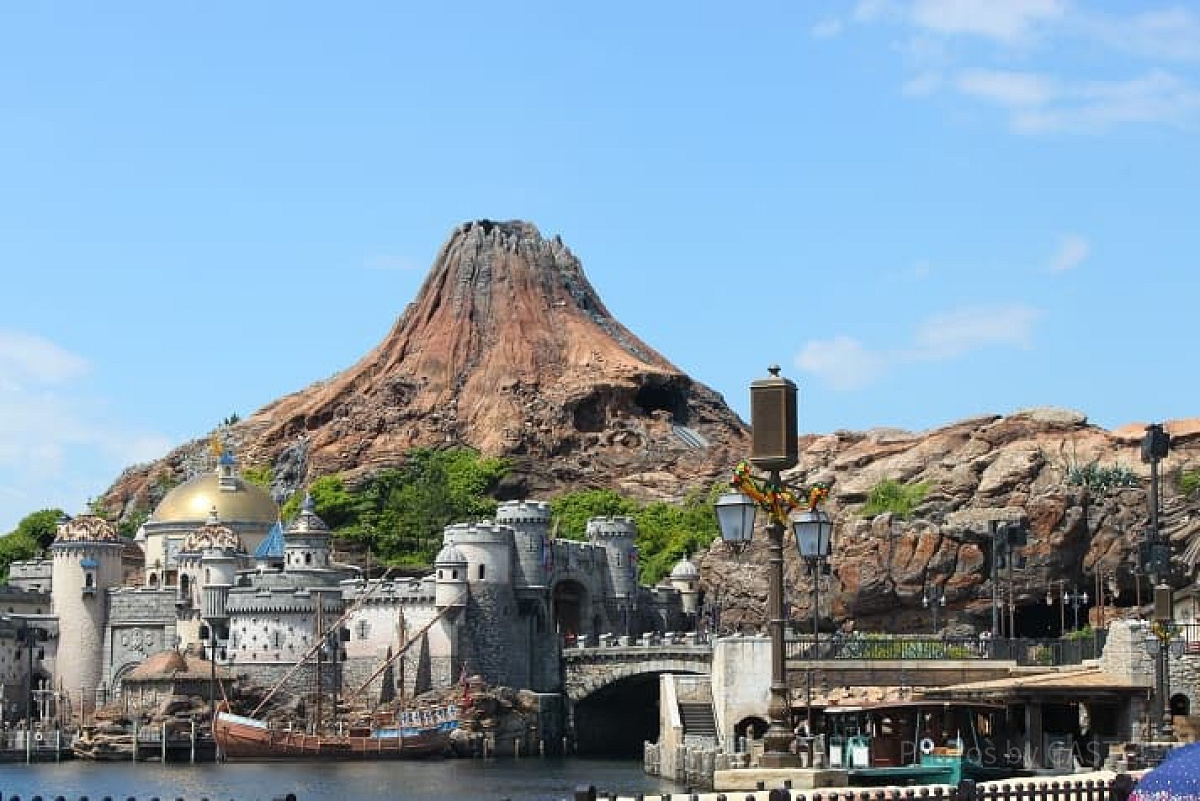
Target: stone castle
[(219, 574)]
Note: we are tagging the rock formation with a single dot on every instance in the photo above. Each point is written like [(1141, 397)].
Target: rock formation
[(507, 349), (1079, 491)]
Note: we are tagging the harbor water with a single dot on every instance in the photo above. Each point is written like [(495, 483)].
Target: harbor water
[(548, 779)]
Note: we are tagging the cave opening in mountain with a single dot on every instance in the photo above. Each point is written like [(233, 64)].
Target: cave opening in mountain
[(665, 396)]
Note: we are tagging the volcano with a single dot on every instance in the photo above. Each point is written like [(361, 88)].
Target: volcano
[(509, 350)]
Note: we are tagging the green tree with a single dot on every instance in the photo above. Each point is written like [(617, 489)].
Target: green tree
[(34, 533), (571, 511), (400, 512), (669, 532)]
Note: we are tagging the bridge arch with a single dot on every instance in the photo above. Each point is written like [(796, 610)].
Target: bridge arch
[(583, 679)]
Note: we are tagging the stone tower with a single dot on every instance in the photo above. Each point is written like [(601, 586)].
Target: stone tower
[(617, 536), (87, 562), (530, 522)]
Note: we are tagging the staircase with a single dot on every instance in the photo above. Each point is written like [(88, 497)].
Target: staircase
[(698, 719)]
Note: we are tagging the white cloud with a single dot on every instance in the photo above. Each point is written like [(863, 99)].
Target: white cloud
[(1172, 33), (1073, 249), (842, 361), (952, 334), (30, 357), (58, 447), (1008, 21), (827, 28), (1013, 89), (1054, 91), (1155, 98), (846, 364)]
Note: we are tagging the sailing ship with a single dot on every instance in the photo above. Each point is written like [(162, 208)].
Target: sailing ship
[(920, 742), (417, 733), (403, 733)]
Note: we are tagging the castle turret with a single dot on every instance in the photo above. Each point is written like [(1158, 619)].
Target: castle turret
[(87, 562), (617, 536), (306, 540), (488, 550), (685, 578), (450, 568), (530, 522)]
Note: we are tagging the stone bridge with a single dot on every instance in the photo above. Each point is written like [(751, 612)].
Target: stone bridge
[(591, 668)]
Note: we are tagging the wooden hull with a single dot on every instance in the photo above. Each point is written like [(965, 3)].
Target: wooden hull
[(247, 739)]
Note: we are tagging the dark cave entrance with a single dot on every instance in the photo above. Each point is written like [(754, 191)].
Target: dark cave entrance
[(657, 395)]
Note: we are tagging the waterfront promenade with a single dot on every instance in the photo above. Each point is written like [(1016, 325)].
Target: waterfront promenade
[(1091, 786)]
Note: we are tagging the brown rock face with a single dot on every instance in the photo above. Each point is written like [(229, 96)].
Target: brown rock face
[(507, 349), (1028, 468)]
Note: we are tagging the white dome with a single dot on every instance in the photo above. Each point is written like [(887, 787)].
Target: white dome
[(685, 570), (449, 555)]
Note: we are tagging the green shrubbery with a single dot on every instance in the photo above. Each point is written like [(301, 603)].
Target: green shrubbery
[(893, 496), (34, 533), (1189, 482), (666, 532)]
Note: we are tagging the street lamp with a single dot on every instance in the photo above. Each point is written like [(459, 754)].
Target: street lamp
[(774, 447), (1074, 599), (214, 611), (933, 599), (1163, 641), (1007, 537)]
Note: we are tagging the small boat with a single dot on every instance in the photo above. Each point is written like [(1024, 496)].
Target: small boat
[(418, 733), (920, 742)]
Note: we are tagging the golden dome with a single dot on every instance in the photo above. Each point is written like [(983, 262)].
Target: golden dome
[(194, 499)]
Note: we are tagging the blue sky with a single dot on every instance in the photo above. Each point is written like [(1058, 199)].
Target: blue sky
[(922, 210)]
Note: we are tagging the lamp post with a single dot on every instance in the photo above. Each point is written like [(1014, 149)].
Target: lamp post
[(1075, 599), (215, 599), (933, 599), (1052, 598), (1007, 537), (1163, 641), (774, 447)]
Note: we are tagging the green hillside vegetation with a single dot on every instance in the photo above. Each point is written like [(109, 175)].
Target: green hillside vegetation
[(1189, 482), (666, 532), (34, 533), (893, 496), (400, 513)]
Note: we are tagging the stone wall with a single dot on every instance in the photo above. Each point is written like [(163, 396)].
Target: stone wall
[(141, 622)]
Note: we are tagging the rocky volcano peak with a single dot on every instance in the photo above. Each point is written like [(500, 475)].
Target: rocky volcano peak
[(508, 349)]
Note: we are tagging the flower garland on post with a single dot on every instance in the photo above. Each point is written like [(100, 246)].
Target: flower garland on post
[(778, 501), (1164, 630)]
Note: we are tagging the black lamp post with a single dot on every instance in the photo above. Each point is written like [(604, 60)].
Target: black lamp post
[(774, 447), (215, 599), (1075, 599), (1007, 538), (933, 600), (1163, 641)]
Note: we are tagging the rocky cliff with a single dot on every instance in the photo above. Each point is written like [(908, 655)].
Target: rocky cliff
[(1079, 491), (507, 349)]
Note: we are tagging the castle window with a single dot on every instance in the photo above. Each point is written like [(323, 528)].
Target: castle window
[(207, 575), (364, 628), (481, 571), (454, 575), (439, 575)]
